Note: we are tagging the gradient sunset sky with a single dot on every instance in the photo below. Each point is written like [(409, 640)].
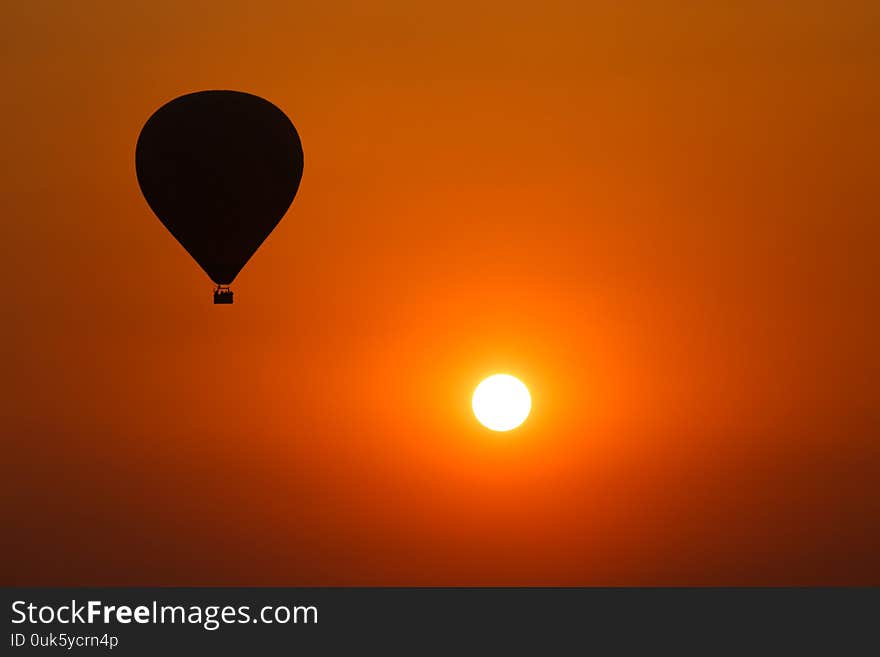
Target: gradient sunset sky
[(662, 217)]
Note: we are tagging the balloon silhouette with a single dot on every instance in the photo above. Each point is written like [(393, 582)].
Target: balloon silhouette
[(219, 169)]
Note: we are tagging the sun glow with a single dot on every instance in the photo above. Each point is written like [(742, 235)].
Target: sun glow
[(501, 402)]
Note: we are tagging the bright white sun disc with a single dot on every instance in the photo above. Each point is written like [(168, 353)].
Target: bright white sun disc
[(501, 402)]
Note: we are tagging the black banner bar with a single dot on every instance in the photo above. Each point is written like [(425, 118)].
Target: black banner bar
[(183, 621)]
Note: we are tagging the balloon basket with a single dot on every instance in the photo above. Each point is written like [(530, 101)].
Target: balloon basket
[(222, 295)]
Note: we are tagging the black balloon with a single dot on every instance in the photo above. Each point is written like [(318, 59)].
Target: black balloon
[(219, 169)]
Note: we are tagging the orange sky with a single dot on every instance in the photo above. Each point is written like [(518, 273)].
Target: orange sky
[(663, 220)]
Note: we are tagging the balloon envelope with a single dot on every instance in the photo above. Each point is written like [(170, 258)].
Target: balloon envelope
[(219, 169)]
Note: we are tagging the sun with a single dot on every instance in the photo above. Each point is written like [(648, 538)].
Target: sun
[(501, 402)]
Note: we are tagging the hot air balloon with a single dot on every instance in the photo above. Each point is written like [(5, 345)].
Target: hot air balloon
[(219, 169)]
